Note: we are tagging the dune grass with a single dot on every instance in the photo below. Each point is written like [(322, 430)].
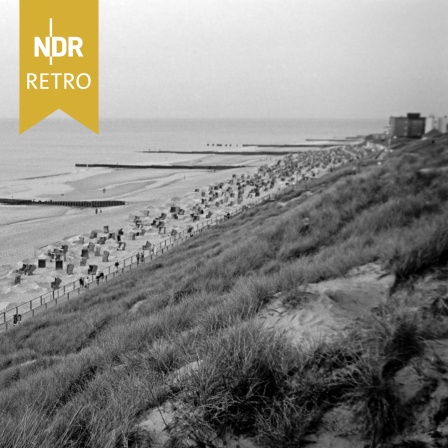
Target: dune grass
[(85, 373)]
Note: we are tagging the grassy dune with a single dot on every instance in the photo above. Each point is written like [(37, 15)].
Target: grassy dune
[(86, 373)]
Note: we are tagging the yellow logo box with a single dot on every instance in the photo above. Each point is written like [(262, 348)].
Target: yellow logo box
[(59, 61)]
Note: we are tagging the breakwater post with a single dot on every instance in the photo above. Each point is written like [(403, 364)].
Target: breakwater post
[(81, 204), (160, 167)]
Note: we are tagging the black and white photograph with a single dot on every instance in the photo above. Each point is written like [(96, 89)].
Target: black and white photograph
[(224, 223)]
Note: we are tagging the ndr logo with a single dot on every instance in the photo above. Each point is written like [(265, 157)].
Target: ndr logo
[(57, 47)]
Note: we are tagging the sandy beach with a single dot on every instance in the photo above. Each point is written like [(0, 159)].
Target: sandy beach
[(30, 233), (26, 231)]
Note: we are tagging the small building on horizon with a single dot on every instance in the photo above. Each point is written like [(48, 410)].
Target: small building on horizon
[(438, 123), (411, 126)]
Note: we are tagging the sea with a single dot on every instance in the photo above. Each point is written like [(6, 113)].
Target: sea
[(55, 145)]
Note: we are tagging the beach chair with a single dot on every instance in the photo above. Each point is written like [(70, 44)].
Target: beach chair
[(59, 265), (31, 269), (101, 240), (56, 283), (17, 278), (92, 269), (175, 216), (105, 256), (97, 251), (147, 246), (209, 215), (181, 212), (64, 248), (142, 231), (163, 216), (196, 218), (81, 240), (85, 253), (173, 232), (93, 234), (70, 268), (106, 229), (42, 263), (162, 230), (91, 247)]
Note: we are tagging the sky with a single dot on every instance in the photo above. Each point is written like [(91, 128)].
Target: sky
[(259, 58)]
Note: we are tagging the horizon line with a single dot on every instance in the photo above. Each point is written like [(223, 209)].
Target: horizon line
[(68, 118)]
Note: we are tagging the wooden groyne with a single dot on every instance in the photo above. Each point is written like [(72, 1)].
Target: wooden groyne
[(336, 140), (227, 153), (81, 204), (161, 167), (325, 145)]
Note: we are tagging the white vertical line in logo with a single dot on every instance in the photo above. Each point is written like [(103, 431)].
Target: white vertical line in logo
[(51, 35)]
